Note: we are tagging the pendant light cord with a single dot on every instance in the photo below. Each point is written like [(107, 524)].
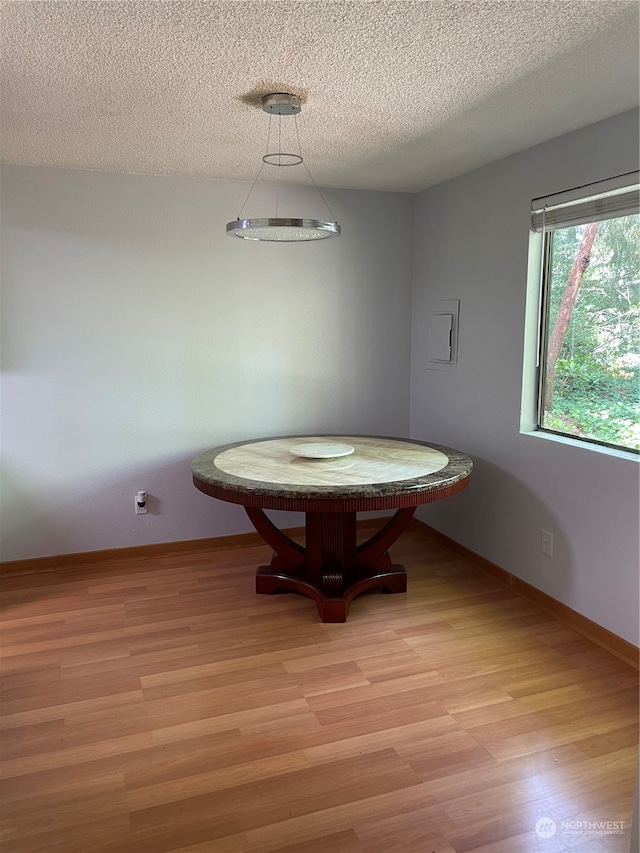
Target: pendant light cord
[(255, 181), (279, 160), (326, 204)]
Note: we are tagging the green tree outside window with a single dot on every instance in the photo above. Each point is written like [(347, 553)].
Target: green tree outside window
[(591, 376)]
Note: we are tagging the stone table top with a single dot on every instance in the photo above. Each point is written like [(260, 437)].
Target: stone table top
[(379, 467)]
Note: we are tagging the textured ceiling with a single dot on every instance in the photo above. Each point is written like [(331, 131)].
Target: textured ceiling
[(397, 95)]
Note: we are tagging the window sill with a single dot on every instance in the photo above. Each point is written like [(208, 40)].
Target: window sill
[(583, 445)]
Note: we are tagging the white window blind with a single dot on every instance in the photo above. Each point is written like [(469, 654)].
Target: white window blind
[(605, 200)]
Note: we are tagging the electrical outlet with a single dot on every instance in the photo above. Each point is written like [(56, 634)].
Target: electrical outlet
[(140, 503), (546, 542)]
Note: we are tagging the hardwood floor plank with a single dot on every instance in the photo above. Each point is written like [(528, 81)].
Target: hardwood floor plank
[(110, 834), (33, 739), (337, 842), (367, 692), (405, 833), (222, 779), (62, 817), (70, 710), (74, 755), (214, 815), (356, 815), (202, 704), (278, 714)]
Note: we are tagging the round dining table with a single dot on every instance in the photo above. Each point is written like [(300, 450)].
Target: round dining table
[(331, 478)]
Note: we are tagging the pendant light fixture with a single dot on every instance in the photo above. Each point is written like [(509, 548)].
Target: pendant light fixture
[(277, 229)]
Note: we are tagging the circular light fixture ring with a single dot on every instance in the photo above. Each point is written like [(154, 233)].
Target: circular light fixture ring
[(280, 230), (294, 159)]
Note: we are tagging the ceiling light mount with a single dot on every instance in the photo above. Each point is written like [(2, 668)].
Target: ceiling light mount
[(278, 229), (281, 104)]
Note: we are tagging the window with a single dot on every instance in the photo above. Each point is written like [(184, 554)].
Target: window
[(589, 350)]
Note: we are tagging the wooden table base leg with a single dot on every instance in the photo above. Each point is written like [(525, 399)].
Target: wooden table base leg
[(330, 609), (337, 609), (330, 569)]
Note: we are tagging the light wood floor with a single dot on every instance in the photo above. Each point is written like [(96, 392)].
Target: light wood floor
[(160, 705)]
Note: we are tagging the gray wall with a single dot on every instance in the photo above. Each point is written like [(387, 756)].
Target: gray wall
[(471, 243), (136, 334)]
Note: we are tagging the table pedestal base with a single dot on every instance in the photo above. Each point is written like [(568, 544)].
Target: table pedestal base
[(331, 609), (332, 569)]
